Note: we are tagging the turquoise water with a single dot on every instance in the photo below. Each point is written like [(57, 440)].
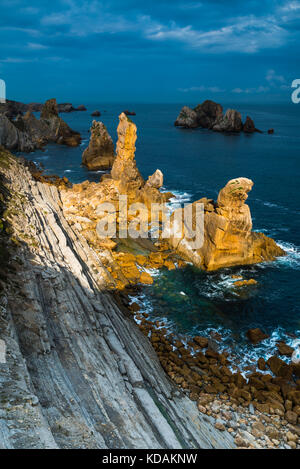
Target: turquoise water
[(198, 163)]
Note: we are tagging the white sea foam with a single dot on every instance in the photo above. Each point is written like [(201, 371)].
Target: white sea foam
[(292, 258)]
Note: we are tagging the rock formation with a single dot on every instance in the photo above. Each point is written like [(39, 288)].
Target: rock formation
[(12, 138), (26, 133), (230, 122), (125, 175), (100, 152), (187, 118), (96, 114), (228, 239), (209, 115)]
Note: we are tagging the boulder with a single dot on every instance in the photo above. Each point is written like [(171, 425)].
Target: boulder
[(81, 107), (100, 152), (129, 113), (187, 118), (256, 335), (227, 237), (231, 122), (270, 131), (96, 114)]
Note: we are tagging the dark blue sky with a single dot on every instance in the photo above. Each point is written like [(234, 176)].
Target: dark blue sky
[(149, 51)]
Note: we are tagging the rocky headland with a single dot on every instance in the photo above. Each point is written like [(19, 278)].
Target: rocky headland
[(209, 115), (75, 371), (26, 133), (100, 153)]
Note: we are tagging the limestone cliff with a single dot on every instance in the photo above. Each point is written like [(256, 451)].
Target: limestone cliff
[(75, 370), (228, 236), (100, 152)]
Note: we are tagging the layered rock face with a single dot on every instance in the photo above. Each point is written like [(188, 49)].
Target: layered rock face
[(228, 239), (26, 133), (100, 152), (209, 115)]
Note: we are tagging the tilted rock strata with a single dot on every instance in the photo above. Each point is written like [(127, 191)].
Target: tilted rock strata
[(228, 239), (78, 372), (100, 152)]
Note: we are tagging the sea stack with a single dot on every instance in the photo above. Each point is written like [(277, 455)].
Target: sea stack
[(228, 236), (100, 152)]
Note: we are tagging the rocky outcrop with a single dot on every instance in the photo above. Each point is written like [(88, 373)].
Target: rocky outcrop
[(96, 114), (228, 238), (78, 372), (100, 152), (12, 108), (249, 126), (26, 133), (230, 122), (209, 115), (12, 138), (187, 118), (129, 113)]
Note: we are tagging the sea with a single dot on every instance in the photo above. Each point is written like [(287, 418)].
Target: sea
[(198, 163)]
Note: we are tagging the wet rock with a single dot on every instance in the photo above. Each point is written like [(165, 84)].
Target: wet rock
[(291, 417), (270, 131), (261, 364), (96, 113), (256, 335)]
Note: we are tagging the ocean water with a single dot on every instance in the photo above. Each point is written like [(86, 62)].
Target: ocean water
[(198, 163)]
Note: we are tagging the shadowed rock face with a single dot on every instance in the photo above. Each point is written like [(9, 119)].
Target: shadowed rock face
[(100, 152), (228, 239)]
